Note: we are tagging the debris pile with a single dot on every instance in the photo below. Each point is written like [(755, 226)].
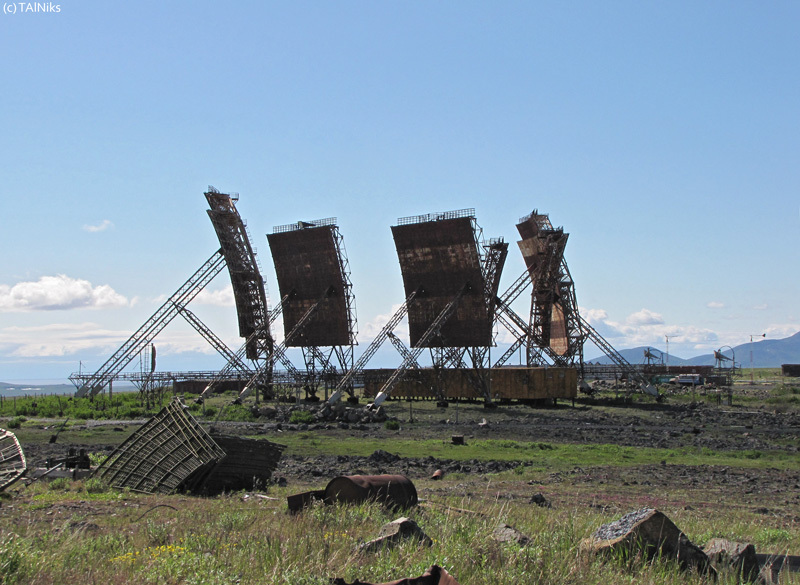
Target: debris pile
[(339, 413)]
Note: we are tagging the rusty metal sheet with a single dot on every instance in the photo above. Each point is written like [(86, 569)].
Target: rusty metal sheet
[(438, 258), (434, 575), (248, 464), (507, 383), (307, 264), (396, 491)]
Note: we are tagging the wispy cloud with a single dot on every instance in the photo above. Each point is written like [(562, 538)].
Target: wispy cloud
[(100, 227), (218, 298), (58, 293), (646, 327), (68, 339), (761, 307), (715, 305)]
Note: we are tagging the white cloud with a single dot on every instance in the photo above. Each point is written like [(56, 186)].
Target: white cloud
[(59, 339), (715, 305), (647, 328), (52, 293), (100, 227), (761, 307), (219, 298), (645, 317), (369, 330), (780, 331)]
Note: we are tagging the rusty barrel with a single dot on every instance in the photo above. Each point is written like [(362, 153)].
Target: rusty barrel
[(395, 491)]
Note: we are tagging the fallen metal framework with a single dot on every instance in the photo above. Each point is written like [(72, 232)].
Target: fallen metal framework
[(169, 452), (173, 452)]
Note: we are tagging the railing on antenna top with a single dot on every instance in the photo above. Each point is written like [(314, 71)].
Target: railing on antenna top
[(469, 212), (290, 227)]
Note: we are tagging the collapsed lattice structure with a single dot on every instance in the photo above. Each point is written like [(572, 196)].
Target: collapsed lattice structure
[(173, 452), (12, 459)]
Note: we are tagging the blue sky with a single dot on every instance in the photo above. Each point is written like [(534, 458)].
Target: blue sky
[(664, 137)]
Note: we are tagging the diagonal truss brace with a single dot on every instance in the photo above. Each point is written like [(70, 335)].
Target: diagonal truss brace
[(617, 358), (223, 350), (433, 330), (226, 371), (373, 347), (151, 328), (404, 352), (279, 349)]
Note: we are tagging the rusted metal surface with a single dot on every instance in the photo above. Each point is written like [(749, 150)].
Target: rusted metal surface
[(435, 575), (438, 258), (308, 263), (507, 383), (542, 247), (246, 279), (169, 452), (12, 459), (248, 465), (394, 491), (791, 370)]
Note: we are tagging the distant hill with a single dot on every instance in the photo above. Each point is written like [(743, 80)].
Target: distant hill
[(768, 353)]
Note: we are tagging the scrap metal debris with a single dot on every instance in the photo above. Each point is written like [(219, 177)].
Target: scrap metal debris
[(435, 575), (394, 491), (173, 452), (12, 459)]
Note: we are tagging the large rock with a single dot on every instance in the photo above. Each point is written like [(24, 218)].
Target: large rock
[(506, 533), (736, 556), (650, 533), (394, 532)]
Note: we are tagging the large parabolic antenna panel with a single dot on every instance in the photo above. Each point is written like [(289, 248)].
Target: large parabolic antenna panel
[(438, 256), (309, 267), (248, 285), (542, 247)]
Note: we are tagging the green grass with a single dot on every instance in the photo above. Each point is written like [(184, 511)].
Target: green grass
[(554, 455), (237, 540)]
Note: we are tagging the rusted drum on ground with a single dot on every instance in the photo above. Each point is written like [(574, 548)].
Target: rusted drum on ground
[(395, 491)]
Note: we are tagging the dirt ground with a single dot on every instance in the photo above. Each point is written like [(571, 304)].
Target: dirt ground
[(589, 421)]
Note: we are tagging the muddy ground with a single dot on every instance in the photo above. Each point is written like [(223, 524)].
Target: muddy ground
[(589, 421)]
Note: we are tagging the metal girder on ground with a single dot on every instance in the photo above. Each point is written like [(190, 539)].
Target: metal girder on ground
[(434, 329), (373, 347), (151, 328)]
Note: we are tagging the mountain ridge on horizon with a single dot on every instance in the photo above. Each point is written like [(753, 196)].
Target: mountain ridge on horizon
[(768, 353)]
